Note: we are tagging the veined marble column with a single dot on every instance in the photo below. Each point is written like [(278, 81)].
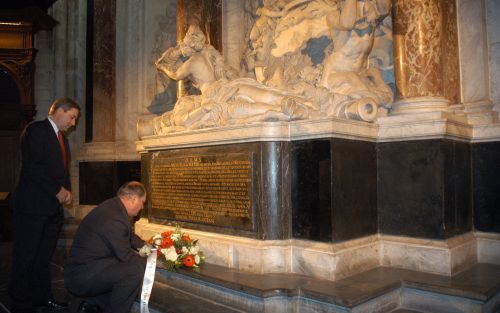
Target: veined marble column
[(425, 55)]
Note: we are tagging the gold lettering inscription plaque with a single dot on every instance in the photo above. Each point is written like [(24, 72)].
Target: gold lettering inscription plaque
[(208, 189)]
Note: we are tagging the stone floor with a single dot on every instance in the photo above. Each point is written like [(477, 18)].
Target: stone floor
[(472, 288), (176, 302), (60, 293), (480, 282)]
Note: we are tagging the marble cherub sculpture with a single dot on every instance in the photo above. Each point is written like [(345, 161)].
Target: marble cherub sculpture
[(346, 70), (357, 90)]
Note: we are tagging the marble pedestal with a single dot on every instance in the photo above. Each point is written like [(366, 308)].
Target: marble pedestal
[(331, 198)]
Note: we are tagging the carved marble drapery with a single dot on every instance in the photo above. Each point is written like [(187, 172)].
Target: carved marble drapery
[(425, 55)]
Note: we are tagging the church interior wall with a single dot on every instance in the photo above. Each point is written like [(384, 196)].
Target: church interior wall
[(492, 10), (144, 30), (473, 51), (60, 71)]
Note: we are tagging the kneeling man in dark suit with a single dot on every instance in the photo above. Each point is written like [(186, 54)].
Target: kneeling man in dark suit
[(104, 266)]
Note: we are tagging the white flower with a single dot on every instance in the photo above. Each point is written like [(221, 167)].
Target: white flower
[(184, 250), (175, 236), (197, 259), (170, 254), (194, 250), (157, 239)]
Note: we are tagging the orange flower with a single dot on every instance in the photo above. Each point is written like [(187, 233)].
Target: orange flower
[(167, 233), (167, 243), (186, 238), (188, 261)]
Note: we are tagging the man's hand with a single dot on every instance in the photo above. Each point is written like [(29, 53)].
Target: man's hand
[(145, 250), (64, 196)]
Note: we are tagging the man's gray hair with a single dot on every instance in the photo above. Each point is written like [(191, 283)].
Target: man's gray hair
[(131, 188)]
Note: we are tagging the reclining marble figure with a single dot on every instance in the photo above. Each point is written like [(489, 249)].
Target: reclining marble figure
[(223, 100)]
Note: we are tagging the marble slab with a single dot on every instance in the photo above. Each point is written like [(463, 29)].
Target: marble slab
[(488, 247), (445, 257)]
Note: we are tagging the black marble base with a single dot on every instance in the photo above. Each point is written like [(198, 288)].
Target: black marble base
[(424, 188), (486, 186), (333, 190)]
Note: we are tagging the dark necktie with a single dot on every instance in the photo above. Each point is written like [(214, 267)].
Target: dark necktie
[(63, 149)]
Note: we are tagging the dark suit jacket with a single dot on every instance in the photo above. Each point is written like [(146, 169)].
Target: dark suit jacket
[(103, 238), (42, 170)]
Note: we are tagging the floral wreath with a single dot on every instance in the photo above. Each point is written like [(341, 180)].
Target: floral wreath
[(176, 249)]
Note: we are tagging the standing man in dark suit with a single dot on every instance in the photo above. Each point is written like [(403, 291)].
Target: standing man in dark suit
[(104, 266), (43, 188)]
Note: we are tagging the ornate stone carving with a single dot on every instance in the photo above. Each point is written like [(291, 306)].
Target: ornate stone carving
[(290, 83)]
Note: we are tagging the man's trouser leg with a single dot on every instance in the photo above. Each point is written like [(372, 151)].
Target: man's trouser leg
[(113, 288)]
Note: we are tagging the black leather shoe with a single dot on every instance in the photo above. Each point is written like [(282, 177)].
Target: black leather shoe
[(86, 307), (54, 305)]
